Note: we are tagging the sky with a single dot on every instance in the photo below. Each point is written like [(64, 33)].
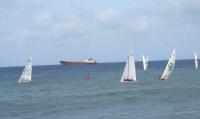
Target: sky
[(106, 30)]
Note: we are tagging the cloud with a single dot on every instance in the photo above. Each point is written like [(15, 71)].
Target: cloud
[(140, 23), (113, 18), (184, 3), (185, 6), (109, 18), (68, 25), (55, 26), (56, 22), (180, 16), (41, 27), (42, 19)]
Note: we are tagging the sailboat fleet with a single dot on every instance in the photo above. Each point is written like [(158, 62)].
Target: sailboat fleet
[(129, 74)]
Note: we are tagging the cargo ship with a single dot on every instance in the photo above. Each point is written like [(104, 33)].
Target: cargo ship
[(86, 61)]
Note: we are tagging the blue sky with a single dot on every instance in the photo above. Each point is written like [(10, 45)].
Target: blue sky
[(53, 30)]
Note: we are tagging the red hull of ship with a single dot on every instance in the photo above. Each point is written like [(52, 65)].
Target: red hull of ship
[(72, 62)]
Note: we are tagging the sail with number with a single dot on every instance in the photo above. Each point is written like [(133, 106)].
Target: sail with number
[(170, 66), (196, 60), (145, 62), (129, 74), (27, 72)]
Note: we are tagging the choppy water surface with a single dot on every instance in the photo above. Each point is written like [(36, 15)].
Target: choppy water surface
[(60, 92)]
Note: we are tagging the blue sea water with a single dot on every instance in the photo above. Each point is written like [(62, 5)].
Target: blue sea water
[(60, 92)]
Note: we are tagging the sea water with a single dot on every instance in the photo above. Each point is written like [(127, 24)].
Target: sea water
[(61, 92)]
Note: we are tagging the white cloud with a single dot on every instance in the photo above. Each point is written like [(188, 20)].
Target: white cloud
[(109, 18), (113, 18), (185, 2), (53, 21), (185, 5), (140, 23), (42, 19), (67, 28), (69, 25), (57, 25)]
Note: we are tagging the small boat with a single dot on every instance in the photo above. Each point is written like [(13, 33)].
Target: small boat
[(170, 66), (27, 72), (87, 77), (129, 74), (145, 62), (196, 60), (86, 61)]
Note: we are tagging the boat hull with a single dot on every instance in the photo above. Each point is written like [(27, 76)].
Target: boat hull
[(73, 62)]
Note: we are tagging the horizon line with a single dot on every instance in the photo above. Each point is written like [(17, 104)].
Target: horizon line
[(37, 65)]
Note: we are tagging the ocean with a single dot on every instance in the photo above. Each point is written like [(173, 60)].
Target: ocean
[(60, 92)]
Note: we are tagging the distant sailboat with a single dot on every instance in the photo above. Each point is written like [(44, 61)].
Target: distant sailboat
[(196, 60), (170, 66), (145, 62), (129, 74), (27, 72)]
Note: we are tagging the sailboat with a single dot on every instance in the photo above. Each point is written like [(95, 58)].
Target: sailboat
[(170, 66), (196, 60), (27, 72), (145, 62), (129, 74)]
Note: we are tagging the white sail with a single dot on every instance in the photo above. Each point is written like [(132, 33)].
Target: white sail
[(145, 62), (129, 74), (196, 60), (27, 72), (170, 66)]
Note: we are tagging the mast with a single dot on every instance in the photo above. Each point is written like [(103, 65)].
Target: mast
[(128, 68)]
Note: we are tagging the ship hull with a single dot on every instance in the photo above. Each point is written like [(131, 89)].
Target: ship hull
[(74, 62)]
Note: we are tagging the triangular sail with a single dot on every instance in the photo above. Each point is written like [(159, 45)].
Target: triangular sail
[(27, 72), (129, 74), (145, 62), (196, 60), (170, 66)]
